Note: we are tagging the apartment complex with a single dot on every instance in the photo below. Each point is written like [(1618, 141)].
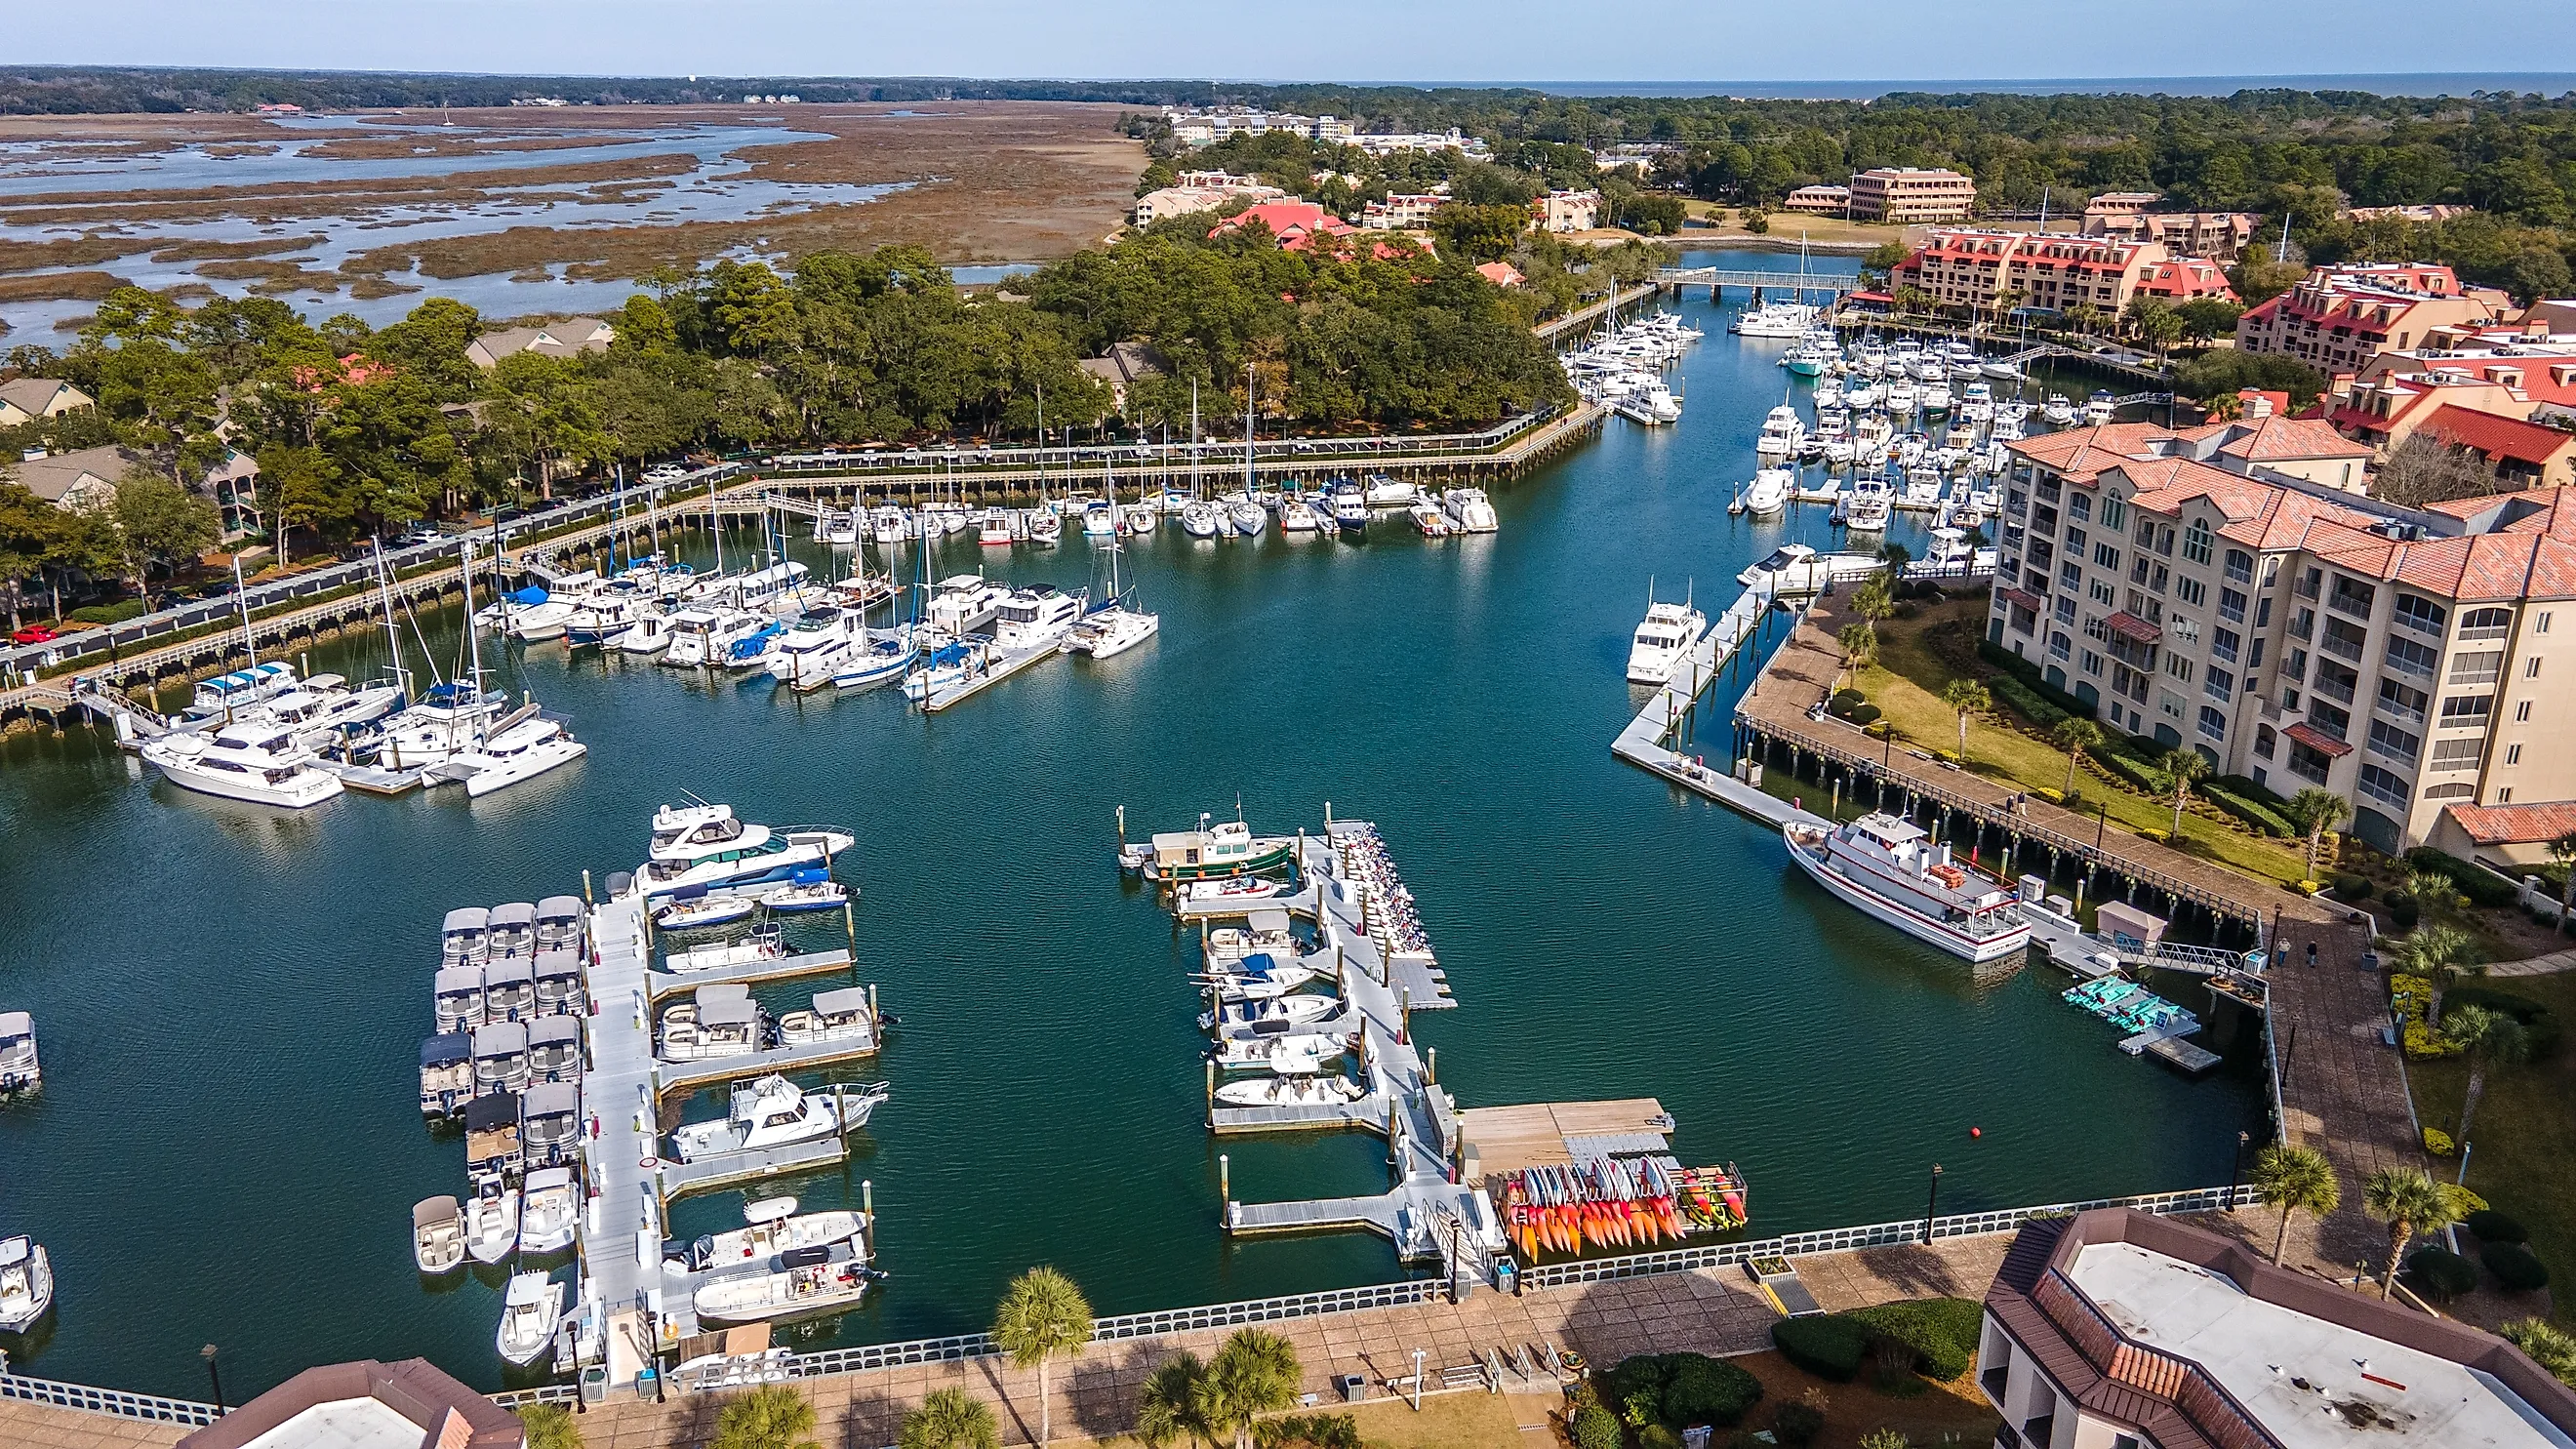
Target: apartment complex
[(2202, 589), (1197, 191), (1402, 211), (1196, 128), (2120, 1330), (1912, 194), (1818, 200), (1566, 211), (2123, 216), (2338, 318), (1990, 271)]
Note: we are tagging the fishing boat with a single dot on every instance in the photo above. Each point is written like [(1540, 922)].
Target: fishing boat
[(774, 1112), (1663, 640), (550, 1212), (843, 1015), (771, 1226), (20, 1069), (26, 1283), (1287, 1054), (492, 1221), (816, 1281), (1292, 1091), (1469, 509), (437, 1235), (1226, 848), (532, 1309), (1887, 868), (1276, 1014), (262, 765)]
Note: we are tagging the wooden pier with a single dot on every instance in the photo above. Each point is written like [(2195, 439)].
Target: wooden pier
[(1006, 662)]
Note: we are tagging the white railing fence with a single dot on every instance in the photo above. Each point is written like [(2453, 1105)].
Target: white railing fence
[(116, 1402)]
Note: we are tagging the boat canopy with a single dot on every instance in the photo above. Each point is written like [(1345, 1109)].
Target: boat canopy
[(529, 595), (14, 1251), (492, 1110), (546, 1177), (527, 1290), (556, 962), (1262, 922), (519, 971), (769, 1209), (430, 1212), (558, 908), (458, 980), (728, 1013), (551, 1099), (516, 913), (438, 1051), (547, 1031), (466, 918), (811, 1256), (16, 1024), (500, 1039), (722, 994), (847, 1001)]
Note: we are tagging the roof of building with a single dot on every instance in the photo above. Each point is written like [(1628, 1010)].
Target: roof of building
[(561, 338), (53, 476), (2081, 454), (2186, 277), (2279, 439), (2498, 436), (35, 394), (365, 1405), (1292, 222), (1501, 274), (2534, 824)]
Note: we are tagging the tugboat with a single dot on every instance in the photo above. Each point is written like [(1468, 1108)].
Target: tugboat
[(1888, 868), (1227, 848)]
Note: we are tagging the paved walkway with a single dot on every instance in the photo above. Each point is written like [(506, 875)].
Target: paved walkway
[(2551, 964), (2343, 1088), (42, 1426)]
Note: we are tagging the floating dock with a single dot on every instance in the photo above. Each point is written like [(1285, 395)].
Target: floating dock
[(676, 1076), (1555, 1134), (1005, 663)]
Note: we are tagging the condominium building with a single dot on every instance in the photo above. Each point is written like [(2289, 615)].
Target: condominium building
[(1196, 128), (1198, 191), (2292, 632), (2123, 216), (2115, 1329), (1402, 211), (1818, 200), (2338, 318), (1990, 271), (1566, 211), (1911, 194)]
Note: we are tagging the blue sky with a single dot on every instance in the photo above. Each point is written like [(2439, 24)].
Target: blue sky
[(1360, 40)]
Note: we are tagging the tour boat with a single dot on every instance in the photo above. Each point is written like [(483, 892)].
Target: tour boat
[(1469, 510), (1768, 493), (1226, 848), (437, 1235), (26, 1283), (263, 765), (492, 1221), (815, 1281), (1887, 868), (532, 1309), (19, 1066), (549, 1212), (1297, 1091), (771, 1226), (1669, 633), (774, 1112)]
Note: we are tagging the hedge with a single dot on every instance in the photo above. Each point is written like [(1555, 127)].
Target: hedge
[(1684, 1388), (1308, 1431), (109, 613), (2247, 787), (2025, 701), (2440, 1273), (1597, 1428), (2252, 812), (2482, 887), (1942, 1333), (1830, 1346), (2514, 1266), (2028, 673), (2136, 775), (2490, 1226)]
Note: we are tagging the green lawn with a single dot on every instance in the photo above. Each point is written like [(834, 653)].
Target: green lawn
[(2523, 1154), (1918, 656)]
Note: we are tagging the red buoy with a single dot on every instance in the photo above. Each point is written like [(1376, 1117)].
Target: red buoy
[(1976, 1131)]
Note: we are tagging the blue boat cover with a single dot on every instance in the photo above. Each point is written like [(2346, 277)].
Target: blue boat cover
[(810, 875), (529, 595), (1259, 963), (948, 654)]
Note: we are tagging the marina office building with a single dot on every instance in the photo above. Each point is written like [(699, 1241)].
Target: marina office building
[(2120, 1330), (2214, 588)]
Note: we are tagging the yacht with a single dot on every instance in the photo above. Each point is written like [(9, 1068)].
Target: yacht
[(1036, 618), (324, 710), (963, 604), (649, 634), (889, 524), (216, 699), (703, 849), (26, 1283), (492, 1221), (1650, 403), (1902, 396), (1469, 510), (814, 1281), (882, 655), (703, 635), (1782, 432), (549, 1212), (437, 1235), (2058, 410), (1864, 395), (522, 752), (609, 615), (1350, 509), (1768, 493), (19, 1066), (1045, 529), (2097, 408), (1669, 633), (748, 591), (532, 1310), (1867, 507), (753, 650), (1273, 1015), (1790, 320), (814, 648), (1288, 1054), (774, 1112), (1112, 631), (1887, 868), (448, 719), (1385, 492), (836, 527), (771, 1226), (262, 764)]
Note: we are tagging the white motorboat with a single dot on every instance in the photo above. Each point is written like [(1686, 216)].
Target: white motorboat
[(1297, 516), (753, 650), (20, 1068), (1789, 320), (699, 911), (649, 634), (762, 943), (1902, 396), (1667, 636), (1768, 493), (550, 1212), (1428, 518), (219, 698), (703, 848), (753, 590), (522, 752), (1276, 1014), (532, 1310), (437, 1235), (815, 1282), (1385, 492), (995, 531), (1288, 1055), (324, 710), (774, 1112), (1864, 395), (2098, 408), (1036, 618), (1292, 1091), (945, 666), (1112, 631), (842, 1015), (1248, 518), (26, 1283), (1782, 432), (492, 1221), (1869, 504), (1350, 510), (1887, 868), (816, 646), (818, 894), (889, 524), (1469, 509), (261, 764), (963, 604), (702, 634), (771, 1226), (610, 613)]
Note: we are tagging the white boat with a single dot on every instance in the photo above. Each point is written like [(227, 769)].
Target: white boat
[(1867, 507), (1469, 509), (492, 1221), (889, 524), (815, 647), (1270, 1014), (532, 1309), (1768, 493), (261, 764), (323, 711), (2059, 409), (1036, 618), (1888, 869), (437, 1235), (1291, 1054), (1669, 633), (1198, 520), (2098, 407), (995, 532), (1141, 518), (718, 1021), (703, 636), (19, 1065), (882, 656), (1385, 492), (650, 634), (522, 752), (811, 892), (1782, 432), (1652, 405), (1794, 568), (1045, 529), (1789, 320), (774, 1112), (748, 591), (817, 1281), (26, 1283), (219, 697), (1428, 518), (1901, 397), (842, 1015), (1295, 516), (705, 849), (1104, 633), (698, 913), (762, 943), (963, 604), (1293, 1091), (605, 616), (549, 1212), (944, 666), (771, 1226), (1248, 518)]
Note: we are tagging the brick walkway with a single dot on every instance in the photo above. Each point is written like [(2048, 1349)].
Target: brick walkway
[(41, 1426)]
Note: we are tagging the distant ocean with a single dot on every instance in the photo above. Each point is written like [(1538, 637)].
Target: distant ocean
[(2547, 83)]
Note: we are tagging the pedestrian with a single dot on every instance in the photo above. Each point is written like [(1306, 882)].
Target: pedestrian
[(2312, 955)]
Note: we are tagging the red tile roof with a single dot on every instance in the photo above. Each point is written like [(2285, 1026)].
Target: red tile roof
[(2498, 436), (2516, 824), (2277, 439), (2130, 626), (2023, 597), (2317, 740), (2081, 454)]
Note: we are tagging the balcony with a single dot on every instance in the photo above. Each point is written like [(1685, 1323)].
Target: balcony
[(2332, 688), (2340, 647)]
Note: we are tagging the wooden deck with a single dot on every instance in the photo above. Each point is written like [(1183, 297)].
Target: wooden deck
[(1547, 1134)]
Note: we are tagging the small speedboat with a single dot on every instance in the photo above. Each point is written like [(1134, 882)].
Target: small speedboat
[(1427, 517), (532, 1310), (771, 1226), (817, 895), (814, 1281), (437, 1235), (1045, 528), (548, 1212), (1295, 516), (1288, 1055), (492, 1221), (1278, 1014), (697, 915), (1289, 1092)]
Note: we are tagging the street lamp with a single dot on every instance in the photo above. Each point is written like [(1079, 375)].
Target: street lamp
[(1932, 1206), (208, 1354)]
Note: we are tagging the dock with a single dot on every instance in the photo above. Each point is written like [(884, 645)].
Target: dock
[(658, 984), (678, 1076), (375, 781), (1648, 740), (1555, 1134), (621, 1237), (1004, 664)]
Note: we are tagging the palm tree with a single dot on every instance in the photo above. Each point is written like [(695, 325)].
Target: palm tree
[(1041, 1315), (1859, 643), (772, 1416), (550, 1426), (2182, 767), (2410, 1203), (2548, 1346), (2563, 851), (1172, 1403), (2439, 954), (2489, 1039), (1965, 697), (949, 1419), (2075, 736), (1255, 1373), (2313, 812), (2295, 1179), (2435, 893)]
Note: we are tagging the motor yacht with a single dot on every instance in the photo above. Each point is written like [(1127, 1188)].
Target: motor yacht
[(1429, 520), (1789, 320), (1277, 1014), (216, 699), (261, 764), (26, 1283), (549, 1213), (1291, 1054), (816, 646), (1887, 868), (753, 590), (1667, 636), (1036, 618), (889, 524), (609, 614), (771, 1226), (1768, 493), (964, 604), (2059, 410), (1782, 432), (492, 1221), (704, 849), (1469, 510), (532, 1309), (521, 752), (2098, 408), (437, 1235), (774, 1112), (1869, 504), (1385, 492), (324, 711)]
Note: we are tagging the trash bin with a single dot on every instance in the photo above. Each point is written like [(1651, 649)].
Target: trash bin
[(1354, 1388), (1507, 1276)]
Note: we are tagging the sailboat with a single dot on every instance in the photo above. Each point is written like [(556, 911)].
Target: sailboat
[(1114, 628)]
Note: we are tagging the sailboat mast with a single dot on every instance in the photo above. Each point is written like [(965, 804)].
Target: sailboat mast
[(1249, 383), (393, 636), (250, 644)]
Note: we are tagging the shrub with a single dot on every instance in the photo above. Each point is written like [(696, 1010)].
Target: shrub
[(1704, 1390), (2483, 887), (2136, 775), (1595, 1427), (1864, 715), (2440, 1273), (2438, 1142), (2490, 1226), (550, 1426), (1848, 699), (1797, 1425), (1308, 1431), (2352, 888), (2247, 787), (1656, 1436), (2403, 911), (2514, 1266), (2025, 701), (2029, 676), (1941, 1333), (2252, 812), (109, 613), (2539, 1025), (2421, 1041), (1830, 1346)]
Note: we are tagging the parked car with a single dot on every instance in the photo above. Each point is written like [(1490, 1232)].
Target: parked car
[(35, 634), (665, 473)]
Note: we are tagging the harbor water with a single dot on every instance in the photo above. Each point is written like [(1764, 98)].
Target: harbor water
[(230, 999)]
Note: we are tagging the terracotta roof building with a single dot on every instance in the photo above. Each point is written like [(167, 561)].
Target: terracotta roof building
[(1294, 224), (2338, 318), (1989, 271), (365, 1405), (2522, 454)]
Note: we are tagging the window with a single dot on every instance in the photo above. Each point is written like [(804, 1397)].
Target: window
[(2255, 659), (2407, 656), (2329, 719), (2102, 593), (2456, 790), (2531, 667), (2059, 644), (2069, 575), (2178, 667), (2074, 540), (2382, 786), (2164, 539), (2456, 754), (2421, 615), (2185, 628), (2231, 605), (2220, 684), (2223, 644), (2263, 612), (2079, 506), (2399, 745), (2092, 662), (2404, 703), (2213, 722), (2467, 711), (2540, 625), (2504, 796), (2343, 639), (2105, 555), (2191, 591), (2522, 712), (2196, 542), (2351, 596), (2485, 625), (2115, 512), (2271, 570), (2513, 754), (2240, 566), (2064, 609), (2309, 583)]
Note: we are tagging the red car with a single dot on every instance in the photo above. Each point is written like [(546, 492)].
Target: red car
[(34, 634)]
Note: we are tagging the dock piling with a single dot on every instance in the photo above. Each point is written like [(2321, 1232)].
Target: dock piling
[(1224, 1178)]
